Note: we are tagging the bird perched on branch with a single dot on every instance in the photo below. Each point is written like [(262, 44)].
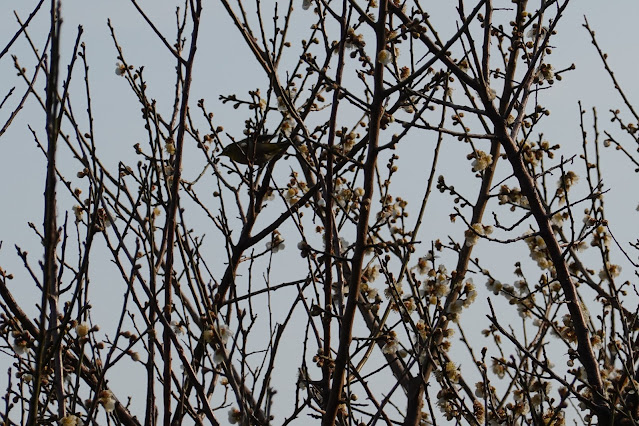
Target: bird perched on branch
[(255, 150)]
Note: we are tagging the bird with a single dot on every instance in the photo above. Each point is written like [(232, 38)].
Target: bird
[(255, 150)]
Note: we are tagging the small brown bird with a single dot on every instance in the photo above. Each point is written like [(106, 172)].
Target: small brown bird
[(255, 150)]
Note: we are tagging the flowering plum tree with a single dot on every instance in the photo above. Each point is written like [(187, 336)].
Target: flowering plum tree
[(313, 273)]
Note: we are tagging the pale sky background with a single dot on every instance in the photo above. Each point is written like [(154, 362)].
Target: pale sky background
[(224, 66)]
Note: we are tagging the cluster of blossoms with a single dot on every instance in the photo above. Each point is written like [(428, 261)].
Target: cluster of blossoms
[(525, 306), (422, 329), (404, 73), (305, 249), (222, 332), (82, 329), (437, 285), (347, 141), (532, 153), (476, 231), (540, 390), (525, 398), (466, 297), (408, 306), (409, 104), (535, 30), (518, 294), (121, 69), (385, 57), (288, 125), (21, 342), (483, 390), (538, 251), (354, 40), (170, 146), (235, 416), (610, 271), (107, 399), (624, 391), (392, 344), (494, 285), (498, 367), (545, 72), (294, 187), (78, 212), (291, 93), (601, 238), (450, 372), (521, 287), (370, 274), (512, 196), (277, 242), (391, 211), (168, 172), (71, 420), (446, 402), (468, 293), (370, 292), (565, 182), (565, 330), (520, 407), (481, 160), (424, 263), (393, 291), (178, 327), (558, 219), (346, 197)]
